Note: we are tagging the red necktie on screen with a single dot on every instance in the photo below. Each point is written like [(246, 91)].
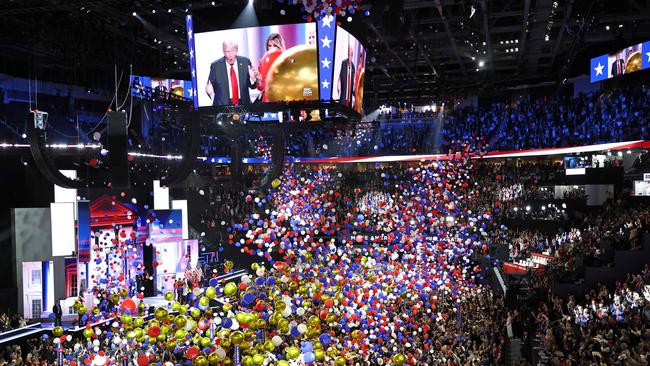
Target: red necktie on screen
[(347, 86), (234, 86)]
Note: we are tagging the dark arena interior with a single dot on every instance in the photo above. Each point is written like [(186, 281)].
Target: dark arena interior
[(324, 182)]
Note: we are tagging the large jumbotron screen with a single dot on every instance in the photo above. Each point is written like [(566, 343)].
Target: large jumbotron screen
[(276, 63), (270, 64)]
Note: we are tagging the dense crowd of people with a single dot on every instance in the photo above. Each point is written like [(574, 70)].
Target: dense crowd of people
[(606, 326)]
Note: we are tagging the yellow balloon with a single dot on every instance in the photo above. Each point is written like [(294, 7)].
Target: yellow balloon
[(320, 354), (340, 361), (247, 361), (258, 359), (275, 183), (280, 306), (237, 337), (161, 313), (201, 361), (269, 346), (213, 359), (228, 264), (211, 293), (230, 289), (57, 331), (180, 321), (169, 296), (293, 352)]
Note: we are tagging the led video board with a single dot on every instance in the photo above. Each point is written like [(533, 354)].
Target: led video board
[(621, 62), (276, 63)]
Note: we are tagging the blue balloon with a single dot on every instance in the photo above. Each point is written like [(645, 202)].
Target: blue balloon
[(325, 339)]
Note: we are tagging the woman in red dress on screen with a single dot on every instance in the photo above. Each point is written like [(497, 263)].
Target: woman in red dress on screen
[(274, 47)]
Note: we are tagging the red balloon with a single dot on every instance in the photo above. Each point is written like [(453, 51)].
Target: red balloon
[(129, 305), (192, 353), (154, 331), (265, 66), (142, 360)]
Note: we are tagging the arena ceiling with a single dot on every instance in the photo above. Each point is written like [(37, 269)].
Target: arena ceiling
[(419, 50)]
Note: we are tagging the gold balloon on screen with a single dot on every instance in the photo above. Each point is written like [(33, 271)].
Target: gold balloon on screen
[(293, 75), (633, 62), (358, 95), (178, 90)]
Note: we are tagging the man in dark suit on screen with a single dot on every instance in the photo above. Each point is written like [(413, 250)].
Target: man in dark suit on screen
[(345, 84), (231, 78), (618, 67)]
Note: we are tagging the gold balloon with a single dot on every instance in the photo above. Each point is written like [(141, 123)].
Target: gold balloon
[(178, 90), (320, 354), (293, 352), (340, 361), (293, 75), (224, 333), (247, 361), (237, 337), (213, 359), (633, 62), (280, 306), (269, 346), (358, 95), (227, 361), (57, 331), (258, 359)]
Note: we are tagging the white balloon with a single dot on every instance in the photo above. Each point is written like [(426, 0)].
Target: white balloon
[(189, 325), (300, 311), (286, 312), (221, 353), (302, 328), (277, 340)]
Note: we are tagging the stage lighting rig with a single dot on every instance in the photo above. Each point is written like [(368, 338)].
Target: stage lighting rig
[(35, 127)]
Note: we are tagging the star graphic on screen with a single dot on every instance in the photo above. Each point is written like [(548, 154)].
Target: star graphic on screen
[(191, 91), (327, 21), (193, 73), (326, 63), (648, 53), (189, 33), (191, 53), (326, 42), (326, 84), (188, 17), (599, 69)]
